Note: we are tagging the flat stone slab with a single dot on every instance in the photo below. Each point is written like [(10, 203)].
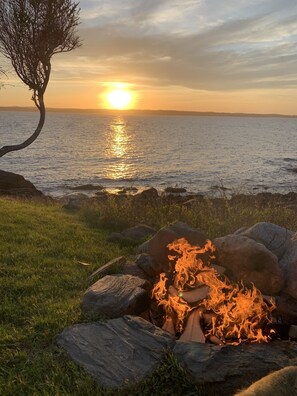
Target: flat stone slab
[(118, 352), (230, 368), (116, 295)]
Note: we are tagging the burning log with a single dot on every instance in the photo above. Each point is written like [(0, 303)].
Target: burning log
[(193, 331), (218, 268), (169, 324), (227, 312), (215, 340), (192, 296)]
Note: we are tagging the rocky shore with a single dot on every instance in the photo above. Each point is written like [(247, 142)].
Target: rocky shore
[(14, 185)]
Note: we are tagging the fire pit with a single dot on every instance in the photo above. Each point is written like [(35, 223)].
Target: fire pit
[(217, 323), (200, 303)]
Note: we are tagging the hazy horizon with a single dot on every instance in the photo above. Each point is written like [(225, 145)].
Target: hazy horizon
[(153, 111)]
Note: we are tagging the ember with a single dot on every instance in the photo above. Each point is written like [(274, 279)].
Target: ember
[(200, 303)]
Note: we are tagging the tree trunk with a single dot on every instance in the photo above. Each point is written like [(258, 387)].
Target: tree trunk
[(6, 149)]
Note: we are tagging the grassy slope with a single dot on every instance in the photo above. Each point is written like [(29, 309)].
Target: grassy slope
[(41, 286)]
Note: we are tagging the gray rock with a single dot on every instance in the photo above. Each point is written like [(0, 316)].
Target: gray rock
[(119, 352), (288, 264), (280, 383), (147, 195), (286, 308), (230, 368), (250, 261), (16, 185), (133, 234), (148, 264), (133, 269), (156, 247), (272, 236), (116, 295), (115, 264)]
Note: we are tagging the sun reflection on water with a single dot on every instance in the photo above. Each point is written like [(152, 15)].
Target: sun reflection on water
[(119, 151)]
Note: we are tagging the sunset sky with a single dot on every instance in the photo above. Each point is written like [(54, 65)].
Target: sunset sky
[(203, 55)]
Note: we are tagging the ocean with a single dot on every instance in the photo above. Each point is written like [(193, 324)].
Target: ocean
[(200, 153)]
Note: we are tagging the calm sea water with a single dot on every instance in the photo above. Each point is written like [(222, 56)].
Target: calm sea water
[(196, 152)]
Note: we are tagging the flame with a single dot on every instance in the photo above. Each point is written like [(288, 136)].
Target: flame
[(239, 312)]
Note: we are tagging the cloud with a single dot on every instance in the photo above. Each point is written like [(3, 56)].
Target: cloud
[(237, 46)]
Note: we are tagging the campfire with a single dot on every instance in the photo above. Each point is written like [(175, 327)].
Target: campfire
[(199, 303)]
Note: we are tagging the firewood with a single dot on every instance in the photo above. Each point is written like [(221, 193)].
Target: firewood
[(193, 331), (215, 340), (169, 325), (208, 317), (219, 269), (172, 291), (192, 296)]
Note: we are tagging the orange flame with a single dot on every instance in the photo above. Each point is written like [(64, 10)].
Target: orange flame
[(239, 312)]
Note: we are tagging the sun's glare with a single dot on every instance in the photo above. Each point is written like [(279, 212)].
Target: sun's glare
[(119, 99)]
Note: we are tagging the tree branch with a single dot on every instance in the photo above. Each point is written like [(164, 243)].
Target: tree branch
[(7, 149)]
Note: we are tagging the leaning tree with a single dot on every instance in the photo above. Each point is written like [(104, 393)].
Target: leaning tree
[(31, 32)]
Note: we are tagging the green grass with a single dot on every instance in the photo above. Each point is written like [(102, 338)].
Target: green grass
[(41, 284)]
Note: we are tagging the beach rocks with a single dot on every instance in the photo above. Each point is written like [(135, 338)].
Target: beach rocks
[(231, 368), (156, 247), (147, 195), (116, 295), (16, 185), (87, 187), (250, 261), (132, 235), (119, 352)]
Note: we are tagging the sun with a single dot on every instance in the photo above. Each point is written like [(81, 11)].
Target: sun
[(119, 99)]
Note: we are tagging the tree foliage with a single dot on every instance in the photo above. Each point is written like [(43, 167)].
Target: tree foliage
[(31, 32)]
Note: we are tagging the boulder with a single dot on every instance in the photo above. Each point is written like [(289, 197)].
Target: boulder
[(119, 352), (229, 368), (250, 261), (112, 265), (288, 265), (272, 236), (16, 185), (156, 247), (133, 235), (281, 383), (116, 295), (148, 264), (135, 270), (148, 195), (286, 309)]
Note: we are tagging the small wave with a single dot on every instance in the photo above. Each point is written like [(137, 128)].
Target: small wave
[(290, 159)]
